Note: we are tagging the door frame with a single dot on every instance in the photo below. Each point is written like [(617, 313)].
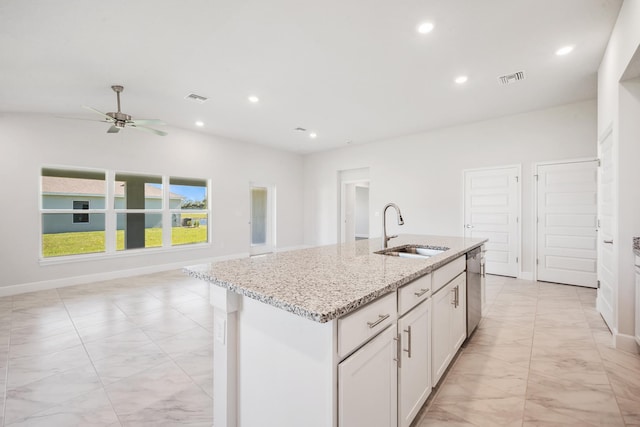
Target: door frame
[(534, 181), (270, 245), (518, 167)]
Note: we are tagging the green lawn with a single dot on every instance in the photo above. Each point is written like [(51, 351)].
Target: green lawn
[(60, 244)]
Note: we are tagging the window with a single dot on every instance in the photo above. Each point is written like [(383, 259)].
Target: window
[(88, 211), (69, 226), (80, 205)]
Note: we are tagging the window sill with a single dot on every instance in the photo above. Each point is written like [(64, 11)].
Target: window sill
[(68, 259)]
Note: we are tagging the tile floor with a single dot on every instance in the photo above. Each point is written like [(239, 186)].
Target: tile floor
[(137, 352)]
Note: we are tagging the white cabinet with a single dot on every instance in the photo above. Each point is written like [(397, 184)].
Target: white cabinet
[(414, 372), (637, 299), (449, 327), (367, 384)]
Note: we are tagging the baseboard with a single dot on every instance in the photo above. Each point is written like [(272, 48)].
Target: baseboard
[(109, 275), (526, 275), (626, 343)]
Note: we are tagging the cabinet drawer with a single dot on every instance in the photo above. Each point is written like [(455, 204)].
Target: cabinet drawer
[(444, 274), (357, 327), (413, 293)]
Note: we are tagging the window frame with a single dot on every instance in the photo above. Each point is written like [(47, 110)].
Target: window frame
[(110, 217)]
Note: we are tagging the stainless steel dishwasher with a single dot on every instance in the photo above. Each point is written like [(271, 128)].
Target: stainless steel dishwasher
[(475, 285)]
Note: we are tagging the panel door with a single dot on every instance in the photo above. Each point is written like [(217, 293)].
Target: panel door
[(367, 384), (491, 210), (607, 270), (567, 223), (441, 330), (414, 374)]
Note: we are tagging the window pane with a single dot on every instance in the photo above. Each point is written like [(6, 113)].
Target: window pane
[(138, 192), (258, 216), (138, 230), (61, 236), (61, 188), (189, 228), (187, 193)]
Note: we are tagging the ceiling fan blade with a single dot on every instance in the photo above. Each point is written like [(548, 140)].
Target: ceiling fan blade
[(147, 129), (107, 117), (147, 122), (113, 129)]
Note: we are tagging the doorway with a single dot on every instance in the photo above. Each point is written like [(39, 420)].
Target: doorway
[(353, 200), (492, 211), (261, 221), (566, 222)]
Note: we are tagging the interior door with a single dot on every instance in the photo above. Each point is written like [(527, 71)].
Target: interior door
[(607, 224), (491, 211), (567, 223), (261, 222)]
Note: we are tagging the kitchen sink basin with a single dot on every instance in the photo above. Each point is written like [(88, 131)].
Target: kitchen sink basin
[(413, 251)]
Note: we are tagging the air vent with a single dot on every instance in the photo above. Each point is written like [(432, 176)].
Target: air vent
[(196, 98), (511, 78)]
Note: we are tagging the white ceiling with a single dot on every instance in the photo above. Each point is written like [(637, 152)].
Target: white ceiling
[(351, 70)]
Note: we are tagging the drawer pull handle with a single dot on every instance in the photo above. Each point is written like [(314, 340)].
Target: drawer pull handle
[(422, 292), (381, 318)]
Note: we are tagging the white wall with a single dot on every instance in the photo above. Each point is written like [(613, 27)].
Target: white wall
[(422, 173), (619, 109), (29, 142)]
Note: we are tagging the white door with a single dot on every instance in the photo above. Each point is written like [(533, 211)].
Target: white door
[(367, 384), (414, 378), (607, 224), (491, 211), (261, 221), (567, 223)]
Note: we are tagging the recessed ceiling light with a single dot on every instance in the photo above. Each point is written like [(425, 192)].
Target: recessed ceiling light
[(461, 79), (564, 50), (425, 27), (313, 135), (199, 123), (254, 99)]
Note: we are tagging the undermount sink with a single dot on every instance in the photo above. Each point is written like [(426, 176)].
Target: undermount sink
[(413, 251)]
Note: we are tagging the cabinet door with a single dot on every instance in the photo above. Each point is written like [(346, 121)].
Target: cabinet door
[(367, 384), (441, 348), (459, 319), (414, 374)]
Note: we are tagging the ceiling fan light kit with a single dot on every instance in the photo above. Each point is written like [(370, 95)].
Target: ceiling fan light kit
[(120, 120)]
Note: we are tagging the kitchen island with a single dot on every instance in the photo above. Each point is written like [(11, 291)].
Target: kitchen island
[(294, 332)]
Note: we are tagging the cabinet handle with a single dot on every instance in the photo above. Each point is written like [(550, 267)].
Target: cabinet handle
[(457, 288), (408, 350), (398, 358), (453, 291), (381, 318), (608, 241), (422, 292)]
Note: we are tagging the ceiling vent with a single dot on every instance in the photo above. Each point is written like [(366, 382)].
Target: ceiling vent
[(511, 78), (196, 98)]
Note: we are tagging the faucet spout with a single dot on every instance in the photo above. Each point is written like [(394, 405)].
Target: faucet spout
[(385, 237)]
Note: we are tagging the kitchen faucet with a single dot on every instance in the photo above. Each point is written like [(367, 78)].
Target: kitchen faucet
[(384, 223)]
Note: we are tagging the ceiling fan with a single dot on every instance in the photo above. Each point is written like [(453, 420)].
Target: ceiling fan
[(120, 120)]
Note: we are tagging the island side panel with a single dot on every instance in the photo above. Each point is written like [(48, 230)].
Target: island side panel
[(286, 368), (225, 306)]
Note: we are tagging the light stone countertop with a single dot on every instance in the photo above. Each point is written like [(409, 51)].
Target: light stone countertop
[(326, 282)]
